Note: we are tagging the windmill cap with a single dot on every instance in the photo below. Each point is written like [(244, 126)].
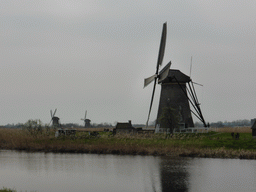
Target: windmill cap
[(181, 77)]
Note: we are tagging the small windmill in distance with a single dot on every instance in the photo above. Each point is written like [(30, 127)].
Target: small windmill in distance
[(87, 122), (54, 119)]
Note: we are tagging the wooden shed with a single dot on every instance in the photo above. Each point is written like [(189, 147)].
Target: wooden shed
[(254, 130), (124, 128), (63, 132)]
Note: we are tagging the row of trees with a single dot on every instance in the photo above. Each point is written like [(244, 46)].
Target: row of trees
[(242, 122), (168, 117), (20, 125)]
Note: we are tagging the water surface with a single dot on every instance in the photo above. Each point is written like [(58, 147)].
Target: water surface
[(46, 172)]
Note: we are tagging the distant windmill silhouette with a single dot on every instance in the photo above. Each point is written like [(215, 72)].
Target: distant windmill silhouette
[(174, 92), (87, 122), (54, 119)]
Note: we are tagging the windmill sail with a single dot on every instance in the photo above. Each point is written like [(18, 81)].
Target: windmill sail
[(159, 62), (148, 80), (164, 72), (162, 46)]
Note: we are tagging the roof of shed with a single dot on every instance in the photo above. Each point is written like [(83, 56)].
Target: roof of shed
[(124, 126)]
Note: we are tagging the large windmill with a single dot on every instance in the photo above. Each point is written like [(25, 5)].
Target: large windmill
[(174, 92), (54, 119), (87, 122)]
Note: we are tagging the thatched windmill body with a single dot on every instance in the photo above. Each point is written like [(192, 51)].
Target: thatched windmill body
[(177, 91)]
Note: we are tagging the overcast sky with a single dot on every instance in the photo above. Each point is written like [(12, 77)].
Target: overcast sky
[(77, 55)]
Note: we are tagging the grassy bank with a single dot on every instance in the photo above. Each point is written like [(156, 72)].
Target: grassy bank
[(212, 144)]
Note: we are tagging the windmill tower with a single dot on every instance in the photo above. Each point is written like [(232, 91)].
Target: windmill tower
[(174, 92), (54, 119), (87, 122)]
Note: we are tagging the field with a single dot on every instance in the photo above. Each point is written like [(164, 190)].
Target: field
[(232, 129), (218, 143)]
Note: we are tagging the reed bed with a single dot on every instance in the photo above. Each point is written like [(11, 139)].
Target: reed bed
[(7, 190), (232, 129), (213, 144)]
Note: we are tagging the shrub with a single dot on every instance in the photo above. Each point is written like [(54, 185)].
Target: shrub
[(33, 127)]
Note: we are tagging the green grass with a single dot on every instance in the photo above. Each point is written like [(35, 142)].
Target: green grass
[(225, 140), (210, 140)]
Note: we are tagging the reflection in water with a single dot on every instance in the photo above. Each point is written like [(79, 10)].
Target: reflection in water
[(174, 175), (86, 172)]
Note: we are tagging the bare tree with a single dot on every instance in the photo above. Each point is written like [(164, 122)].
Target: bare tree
[(169, 118)]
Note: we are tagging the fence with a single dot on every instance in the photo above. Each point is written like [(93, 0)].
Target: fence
[(182, 130), (191, 130)]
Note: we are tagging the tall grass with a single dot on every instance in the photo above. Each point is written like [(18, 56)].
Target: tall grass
[(212, 144), (232, 129)]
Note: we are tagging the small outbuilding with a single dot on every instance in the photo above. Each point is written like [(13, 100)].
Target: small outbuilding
[(63, 132), (254, 130), (124, 128)]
